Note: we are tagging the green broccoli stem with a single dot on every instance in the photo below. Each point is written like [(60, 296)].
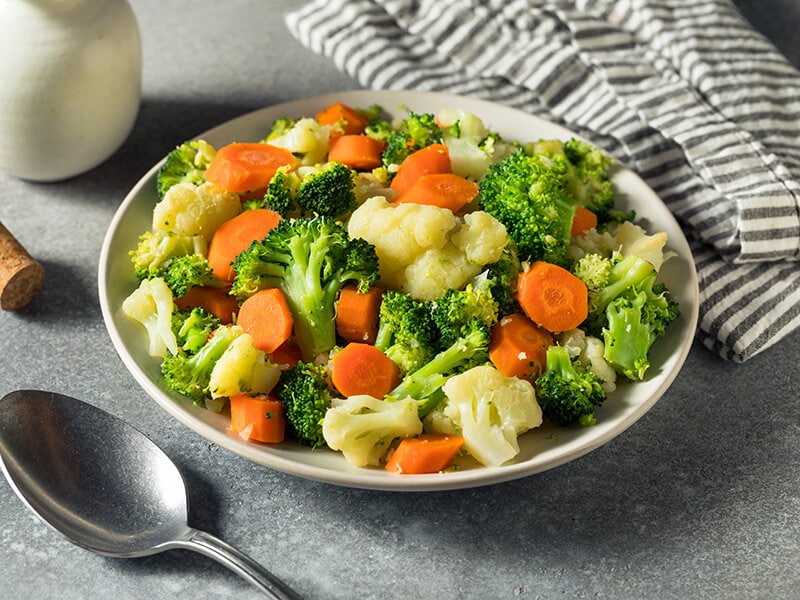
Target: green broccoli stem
[(190, 376), (559, 361), (424, 384), (631, 271), (312, 304)]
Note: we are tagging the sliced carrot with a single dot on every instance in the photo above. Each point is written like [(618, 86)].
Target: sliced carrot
[(359, 152), (518, 347), (266, 316), (357, 314), (235, 236), (426, 453), (583, 220), (445, 190), (363, 369), (215, 300), (431, 159), (552, 297), (343, 118), (246, 166), (258, 418), (288, 354)]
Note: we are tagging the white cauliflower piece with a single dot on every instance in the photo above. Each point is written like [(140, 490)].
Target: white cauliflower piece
[(307, 139), (467, 158), (481, 238), (243, 369), (490, 410), (589, 352), (633, 240), (189, 210), (362, 428), (151, 304), (424, 250), (626, 239)]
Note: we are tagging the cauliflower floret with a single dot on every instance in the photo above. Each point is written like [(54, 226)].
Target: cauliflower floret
[(307, 139), (362, 427), (490, 410), (467, 158), (633, 240), (627, 239), (481, 238), (189, 210), (424, 250), (243, 369), (589, 352), (151, 304)]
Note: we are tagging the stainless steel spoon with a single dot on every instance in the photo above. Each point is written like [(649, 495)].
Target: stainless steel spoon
[(104, 485)]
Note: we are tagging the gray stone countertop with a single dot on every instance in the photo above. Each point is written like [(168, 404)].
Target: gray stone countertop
[(699, 499)]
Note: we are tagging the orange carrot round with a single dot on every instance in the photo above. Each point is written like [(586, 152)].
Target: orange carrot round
[(583, 220), (445, 190), (342, 116), (258, 418), (215, 300), (363, 369), (235, 236), (359, 152), (552, 297), (266, 316), (518, 347), (431, 159), (357, 314), (245, 166), (426, 453)]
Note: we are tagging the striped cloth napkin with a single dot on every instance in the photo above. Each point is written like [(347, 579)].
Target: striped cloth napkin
[(684, 92)]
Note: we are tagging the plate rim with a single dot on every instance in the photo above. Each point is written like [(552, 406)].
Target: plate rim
[(366, 478)]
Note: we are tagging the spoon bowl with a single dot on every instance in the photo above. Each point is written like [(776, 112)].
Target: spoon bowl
[(105, 485)]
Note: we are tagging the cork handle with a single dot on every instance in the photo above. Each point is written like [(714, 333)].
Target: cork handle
[(21, 276)]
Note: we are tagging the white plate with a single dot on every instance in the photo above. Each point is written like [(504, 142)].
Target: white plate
[(541, 449)]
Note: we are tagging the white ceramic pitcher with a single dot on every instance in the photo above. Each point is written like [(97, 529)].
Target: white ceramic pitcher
[(70, 84)]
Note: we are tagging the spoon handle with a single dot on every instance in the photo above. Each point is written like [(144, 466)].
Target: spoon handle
[(238, 562)]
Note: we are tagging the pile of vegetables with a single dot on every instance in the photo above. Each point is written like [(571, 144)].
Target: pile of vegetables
[(402, 292)]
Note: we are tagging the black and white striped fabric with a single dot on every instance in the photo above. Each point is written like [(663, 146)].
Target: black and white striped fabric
[(684, 92)]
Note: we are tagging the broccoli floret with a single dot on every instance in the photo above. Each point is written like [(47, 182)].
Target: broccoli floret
[(380, 129), (363, 428), (626, 308), (306, 396), (406, 332), (455, 308), (635, 321), (526, 194), (500, 280), (424, 385), (566, 392), (310, 260), (279, 195), (415, 132), (192, 327), (156, 248), (587, 174), (185, 164), (190, 374), (329, 191), (184, 272)]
